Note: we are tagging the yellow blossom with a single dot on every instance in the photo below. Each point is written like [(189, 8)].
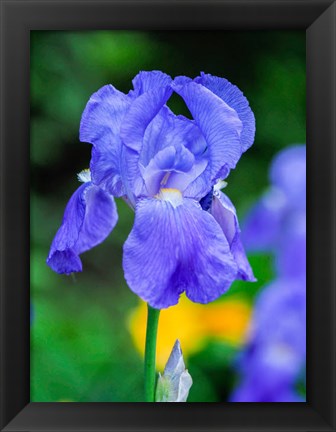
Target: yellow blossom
[(193, 324)]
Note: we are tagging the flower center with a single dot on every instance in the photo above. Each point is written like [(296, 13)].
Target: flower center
[(174, 196)]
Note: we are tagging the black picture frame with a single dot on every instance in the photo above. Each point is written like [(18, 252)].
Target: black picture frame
[(18, 18)]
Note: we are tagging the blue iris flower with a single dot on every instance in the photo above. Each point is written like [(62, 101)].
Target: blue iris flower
[(163, 165)]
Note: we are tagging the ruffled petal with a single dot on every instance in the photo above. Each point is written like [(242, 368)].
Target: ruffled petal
[(175, 246), (149, 80), (225, 214), (235, 99), (89, 217), (219, 124), (102, 116), (100, 126)]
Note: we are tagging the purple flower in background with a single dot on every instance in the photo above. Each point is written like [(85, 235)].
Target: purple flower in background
[(252, 391), (275, 354), (278, 221), (163, 165)]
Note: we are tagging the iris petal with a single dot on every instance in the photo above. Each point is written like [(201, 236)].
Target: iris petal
[(89, 217), (219, 124), (150, 80), (232, 96), (141, 113), (225, 214), (100, 126), (176, 248)]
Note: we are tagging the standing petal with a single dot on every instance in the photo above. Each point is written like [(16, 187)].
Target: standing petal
[(225, 214), (219, 124), (135, 123), (140, 114), (232, 96), (175, 246), (89, 217), (149, 80)]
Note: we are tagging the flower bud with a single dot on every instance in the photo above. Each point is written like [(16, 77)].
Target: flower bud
[(175, 383)]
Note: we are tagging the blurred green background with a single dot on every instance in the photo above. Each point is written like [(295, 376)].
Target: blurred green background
[(83, 347)]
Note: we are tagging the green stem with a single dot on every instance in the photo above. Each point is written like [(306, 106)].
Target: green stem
[(150, 352)]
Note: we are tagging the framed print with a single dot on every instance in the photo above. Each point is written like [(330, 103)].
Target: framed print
[(173, 235)]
